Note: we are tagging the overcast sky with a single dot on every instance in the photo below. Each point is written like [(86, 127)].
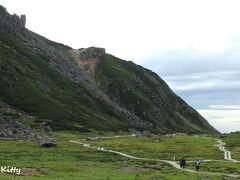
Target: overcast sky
[(193, 45)]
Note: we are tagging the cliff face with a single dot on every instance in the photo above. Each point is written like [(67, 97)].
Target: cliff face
[(87, 88)]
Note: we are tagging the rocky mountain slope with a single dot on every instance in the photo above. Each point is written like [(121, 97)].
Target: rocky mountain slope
[(85, 89)]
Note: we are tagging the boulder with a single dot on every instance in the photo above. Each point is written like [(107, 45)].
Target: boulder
[(46, 142)]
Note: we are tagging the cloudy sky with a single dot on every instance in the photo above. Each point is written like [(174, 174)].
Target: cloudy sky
[(194, 45)]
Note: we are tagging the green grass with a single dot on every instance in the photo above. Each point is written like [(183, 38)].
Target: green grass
[(190, 147), (73, 161)]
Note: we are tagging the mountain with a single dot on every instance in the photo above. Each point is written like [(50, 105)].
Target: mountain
[(85, 89)]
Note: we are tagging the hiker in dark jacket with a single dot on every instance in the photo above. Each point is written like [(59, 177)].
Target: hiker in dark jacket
[(197, 163), (184, 163), (181, 163)]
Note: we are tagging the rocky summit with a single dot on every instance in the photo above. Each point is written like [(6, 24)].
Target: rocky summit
[(83, 89)]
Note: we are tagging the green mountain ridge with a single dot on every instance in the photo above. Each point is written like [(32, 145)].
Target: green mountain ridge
[(86, 89)]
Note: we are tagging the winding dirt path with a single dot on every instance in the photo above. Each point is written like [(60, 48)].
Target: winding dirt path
[(227, 155)]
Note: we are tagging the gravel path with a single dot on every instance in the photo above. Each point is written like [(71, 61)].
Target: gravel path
[(227, 156)]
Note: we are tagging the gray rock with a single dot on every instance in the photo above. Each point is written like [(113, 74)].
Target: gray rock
[(9, 132), (46, 142), (23, 20), (48, 128), (3, 134)]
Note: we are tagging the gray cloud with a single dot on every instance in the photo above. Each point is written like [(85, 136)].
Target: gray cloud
[(190, 61), (209, 88), (222, 80), (187, 63)]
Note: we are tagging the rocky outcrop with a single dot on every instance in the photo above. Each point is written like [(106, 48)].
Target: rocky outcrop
[(11, 23), (12, 128), (87, 58), (13, 124), (23, 20), (91, 53), (60, 62)]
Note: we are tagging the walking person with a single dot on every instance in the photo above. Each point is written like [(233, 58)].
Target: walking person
[(184, 164), (197, 163), (181, 163)]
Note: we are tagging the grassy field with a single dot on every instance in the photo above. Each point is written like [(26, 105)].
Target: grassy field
[(190, 147), (73, 161)]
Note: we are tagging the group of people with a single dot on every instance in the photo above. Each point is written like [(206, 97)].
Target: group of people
[(183, 163)]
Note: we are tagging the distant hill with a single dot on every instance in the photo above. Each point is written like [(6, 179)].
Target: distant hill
[(86, 89)]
